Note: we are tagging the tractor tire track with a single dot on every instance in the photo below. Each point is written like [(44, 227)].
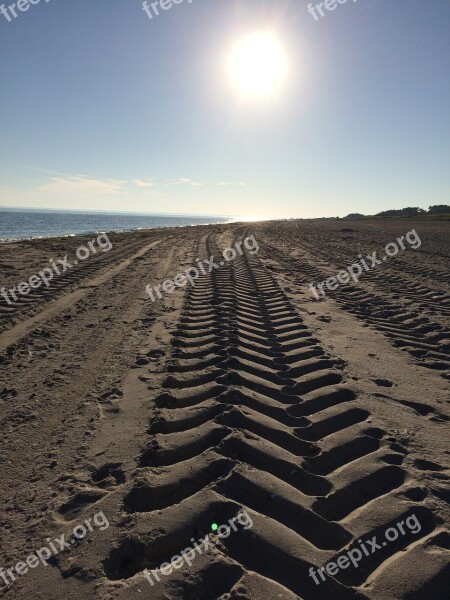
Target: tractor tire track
[(254, 414), (407, 328)]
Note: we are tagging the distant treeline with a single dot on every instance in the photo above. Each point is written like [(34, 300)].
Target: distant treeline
[(439, 211)]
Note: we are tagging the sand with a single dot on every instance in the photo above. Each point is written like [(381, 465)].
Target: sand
[(326, 421)]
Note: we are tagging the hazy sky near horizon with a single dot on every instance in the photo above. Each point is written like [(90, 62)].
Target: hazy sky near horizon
[(103, 108)]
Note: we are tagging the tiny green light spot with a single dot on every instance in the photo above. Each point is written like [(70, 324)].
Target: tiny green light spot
[(214, 526)]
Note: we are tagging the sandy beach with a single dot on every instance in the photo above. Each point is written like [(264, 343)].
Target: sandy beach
[(325, 420)]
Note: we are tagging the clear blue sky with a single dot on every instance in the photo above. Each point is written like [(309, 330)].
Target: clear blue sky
[(103, 108)]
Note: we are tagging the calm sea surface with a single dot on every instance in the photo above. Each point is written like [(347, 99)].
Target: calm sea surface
[(15, 224)]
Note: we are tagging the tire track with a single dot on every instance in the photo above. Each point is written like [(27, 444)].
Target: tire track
[(406, 328), (255, 414), (31, 303)]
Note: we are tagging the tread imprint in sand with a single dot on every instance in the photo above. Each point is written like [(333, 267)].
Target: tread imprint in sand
[(255, 415)]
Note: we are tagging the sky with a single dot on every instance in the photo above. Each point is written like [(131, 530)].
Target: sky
[(103, 108)]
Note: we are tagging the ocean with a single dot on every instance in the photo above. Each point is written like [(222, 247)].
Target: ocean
[(27, 224)]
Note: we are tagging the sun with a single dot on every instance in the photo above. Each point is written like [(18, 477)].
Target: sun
[(257, 66)]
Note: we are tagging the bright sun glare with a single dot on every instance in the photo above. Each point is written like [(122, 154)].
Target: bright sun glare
[(257, 65)]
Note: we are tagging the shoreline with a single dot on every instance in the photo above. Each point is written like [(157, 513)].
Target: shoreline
[(118, 232)]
